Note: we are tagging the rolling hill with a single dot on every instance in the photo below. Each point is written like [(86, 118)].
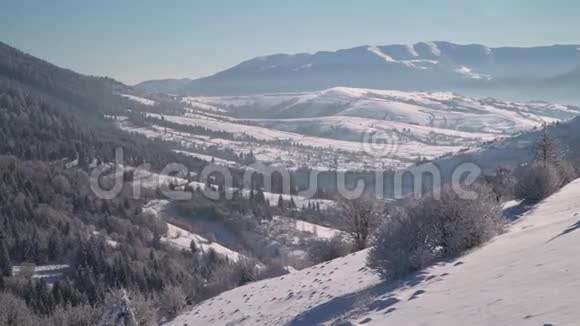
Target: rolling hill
[(358, 128)]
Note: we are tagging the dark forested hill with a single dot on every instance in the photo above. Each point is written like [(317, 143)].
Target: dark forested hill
[(87, 247), (88, 94), (49, 113)]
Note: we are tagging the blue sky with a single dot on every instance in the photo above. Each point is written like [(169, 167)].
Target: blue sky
[(135, 40)]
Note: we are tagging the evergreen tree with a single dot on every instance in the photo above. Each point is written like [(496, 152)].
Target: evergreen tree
[(292, 203), (5, 264), (193, 247), (259, 197), (546, 148)]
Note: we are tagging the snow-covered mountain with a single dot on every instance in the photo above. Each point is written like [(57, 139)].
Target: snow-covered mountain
[(527, 276), (421, 66)]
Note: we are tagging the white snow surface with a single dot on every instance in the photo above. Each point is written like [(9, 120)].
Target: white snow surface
[(411, 49), (471, 74), (379, 53), (138, 99), (434, 48), (321, 232), (409, 63), (528, 276)]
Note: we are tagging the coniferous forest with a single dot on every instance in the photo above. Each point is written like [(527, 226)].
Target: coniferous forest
[(50, 117)]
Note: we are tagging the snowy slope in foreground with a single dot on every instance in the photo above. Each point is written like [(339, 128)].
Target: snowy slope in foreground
[(528, 276)]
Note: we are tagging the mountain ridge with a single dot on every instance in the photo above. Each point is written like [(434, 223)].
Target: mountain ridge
[(421, 66)]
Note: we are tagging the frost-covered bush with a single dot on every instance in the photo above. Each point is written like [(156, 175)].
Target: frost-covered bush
[(538, 181), (462, 224), (322, 250), (172, 301), (228, 276), (403, 244), (567, 172), (549, 171), (14, 311), (412, 237)]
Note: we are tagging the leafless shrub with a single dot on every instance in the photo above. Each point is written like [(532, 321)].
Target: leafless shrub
[(502, 183), (412, 237), (246, 271), (231, 275), (359, 218), (537, 182), (13, 311), (567, 172), (172, 301), (143, 309), (463, 224), (84, 315), (322, 250), (403, 244), (549, 171)]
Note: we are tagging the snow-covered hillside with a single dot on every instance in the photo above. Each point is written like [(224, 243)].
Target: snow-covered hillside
[(354, 128), (527, 276), (443, 110)]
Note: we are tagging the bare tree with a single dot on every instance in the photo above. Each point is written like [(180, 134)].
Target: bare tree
[(546, 148), (502, 183), (360, 217), (172, 301)]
